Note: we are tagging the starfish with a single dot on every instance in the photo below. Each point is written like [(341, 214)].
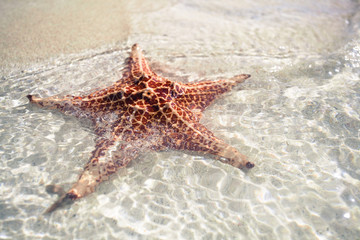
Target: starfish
[(143, 112)]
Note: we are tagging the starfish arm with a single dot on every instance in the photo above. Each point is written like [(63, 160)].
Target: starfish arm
[(69, 105), (117, 145), (106, 159), (137, 64), (184, 132), (92, 106), (198, 139), (198, 96)]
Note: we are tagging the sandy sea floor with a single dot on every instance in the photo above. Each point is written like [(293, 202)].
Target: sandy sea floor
[(297, 118)]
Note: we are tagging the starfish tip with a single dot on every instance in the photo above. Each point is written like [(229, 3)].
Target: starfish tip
[(135, 46), (244, 76), (241, 78), (250, 165)]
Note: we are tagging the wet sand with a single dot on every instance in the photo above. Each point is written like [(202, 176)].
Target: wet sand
[(32, 31)]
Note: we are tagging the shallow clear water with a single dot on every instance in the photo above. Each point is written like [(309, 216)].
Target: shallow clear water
[(297, 118)]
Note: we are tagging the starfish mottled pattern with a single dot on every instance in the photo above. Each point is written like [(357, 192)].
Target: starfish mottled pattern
[(143, 112)]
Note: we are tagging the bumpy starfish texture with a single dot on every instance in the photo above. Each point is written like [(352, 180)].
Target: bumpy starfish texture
[(143, 111)]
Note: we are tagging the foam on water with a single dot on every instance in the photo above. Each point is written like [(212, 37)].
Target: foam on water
[(297, 118)]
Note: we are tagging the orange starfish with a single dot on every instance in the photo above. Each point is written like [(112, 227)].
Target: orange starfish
[(143, 111)]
